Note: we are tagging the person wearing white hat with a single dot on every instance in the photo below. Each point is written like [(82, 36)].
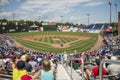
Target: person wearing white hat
[(113, 69)]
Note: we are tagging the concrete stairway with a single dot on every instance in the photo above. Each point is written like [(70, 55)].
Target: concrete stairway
[(64, 73), (61, 73), (75, 75)]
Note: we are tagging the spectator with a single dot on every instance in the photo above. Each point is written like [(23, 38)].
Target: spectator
[(95, 70), (46, 73), (38, 67), (2, 64), (65, 57), (15, 59), (28, 66), (26, 77), (32, 62), (19, 71), (114, 68)]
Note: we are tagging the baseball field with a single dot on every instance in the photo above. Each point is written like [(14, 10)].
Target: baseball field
[(56, 42)]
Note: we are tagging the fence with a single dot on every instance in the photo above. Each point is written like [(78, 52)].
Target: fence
[(101, 65)]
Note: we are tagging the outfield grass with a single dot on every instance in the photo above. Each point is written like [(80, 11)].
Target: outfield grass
[(80, 46)]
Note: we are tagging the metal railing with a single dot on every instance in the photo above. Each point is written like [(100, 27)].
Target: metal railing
[(107, 61), (5, 76), (107, 77), (71, 65)]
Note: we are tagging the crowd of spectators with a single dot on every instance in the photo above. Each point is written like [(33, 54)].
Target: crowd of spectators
[(107, 52), (22, 61)]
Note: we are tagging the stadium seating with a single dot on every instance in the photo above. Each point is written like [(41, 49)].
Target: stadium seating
[(98, 26)]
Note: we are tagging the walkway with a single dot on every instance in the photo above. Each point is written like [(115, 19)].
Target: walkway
[(75, 75), (64, 73), (61, 73)]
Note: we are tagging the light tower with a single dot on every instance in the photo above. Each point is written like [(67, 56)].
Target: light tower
[(61, 19), (13, 16), (88, 18), (38, 18), (110, 3), (116, 11)]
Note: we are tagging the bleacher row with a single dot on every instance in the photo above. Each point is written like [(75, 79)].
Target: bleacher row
[(98, 26)]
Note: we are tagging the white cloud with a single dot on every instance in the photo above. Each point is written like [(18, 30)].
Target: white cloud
[(41, 7), (4, 2), (77, 1), (94, 3), (51, 10), (6, 15), (22, 17), (55, 19), (78, 19)]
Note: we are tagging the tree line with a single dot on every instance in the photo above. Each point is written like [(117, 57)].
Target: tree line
[(7, 26)]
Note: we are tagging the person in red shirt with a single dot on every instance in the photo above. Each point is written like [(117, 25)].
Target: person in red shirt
[(79, 61), (95, 70), (26, 77)]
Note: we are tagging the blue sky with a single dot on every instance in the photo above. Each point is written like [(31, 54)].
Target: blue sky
[(51, 10)]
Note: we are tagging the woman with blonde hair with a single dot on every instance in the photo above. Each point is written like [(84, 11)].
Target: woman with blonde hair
[(45, 73)]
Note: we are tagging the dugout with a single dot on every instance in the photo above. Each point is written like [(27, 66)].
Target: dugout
[(34, 28), (49, 26)]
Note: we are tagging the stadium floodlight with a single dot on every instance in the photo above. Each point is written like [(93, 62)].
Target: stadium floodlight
[(110, 3), (13, 16), (88, 18), (38, 18), (116, 11), (61, 19)]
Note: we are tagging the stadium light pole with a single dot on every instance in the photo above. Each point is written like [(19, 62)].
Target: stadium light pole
[(38, 18), (110, 3), (61, 19), (88, 18), (13, 16), (116, 11)]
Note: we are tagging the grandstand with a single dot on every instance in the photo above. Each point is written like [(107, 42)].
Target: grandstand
[(98, 26), (34, 50), (71, 70), (65, 70)]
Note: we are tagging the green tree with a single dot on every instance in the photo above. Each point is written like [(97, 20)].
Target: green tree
[(115, 28), (29, 23), (37, 23), (21, 21)]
